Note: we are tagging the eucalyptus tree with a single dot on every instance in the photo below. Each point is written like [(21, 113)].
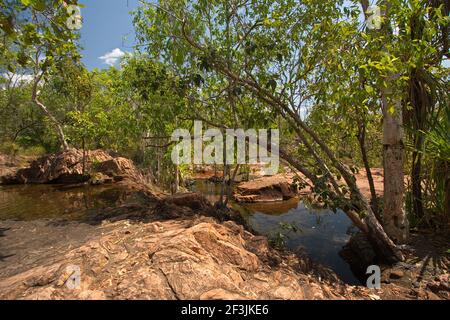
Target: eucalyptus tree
[(36, 35), (404, 61)]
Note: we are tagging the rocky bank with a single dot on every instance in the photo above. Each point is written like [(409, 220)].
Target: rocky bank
[(74, 166), (176, 259), (146, 253), (176, 247)]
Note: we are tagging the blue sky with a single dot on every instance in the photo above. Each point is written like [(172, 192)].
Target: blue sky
[(106, 24)]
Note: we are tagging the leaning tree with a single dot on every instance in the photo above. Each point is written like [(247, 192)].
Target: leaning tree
[(281, 53)]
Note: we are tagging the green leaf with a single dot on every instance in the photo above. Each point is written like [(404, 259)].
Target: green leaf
[(368, 89), (11, 68), (391, 109), (22, 59), (39, 5), (7, 25)]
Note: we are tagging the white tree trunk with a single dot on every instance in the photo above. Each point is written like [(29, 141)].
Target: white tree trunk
[(57, 125), (395, 222)]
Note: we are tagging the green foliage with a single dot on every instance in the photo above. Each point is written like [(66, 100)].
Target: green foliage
[(39, 33), (9, 148), (264, 64), (436, 143), (435, 174), (311, 59)]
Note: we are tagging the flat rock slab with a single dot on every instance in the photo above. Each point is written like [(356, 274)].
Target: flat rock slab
[(176, 259), (271, 188)]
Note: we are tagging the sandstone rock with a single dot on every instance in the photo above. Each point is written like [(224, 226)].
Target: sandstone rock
[(117, 167), (396, 274), (92, 295), (174, 259), (194, 201), (100, 178), (66, 167), (274, 188), (424, 294), (187, 258), (221, 294), (194, 204)]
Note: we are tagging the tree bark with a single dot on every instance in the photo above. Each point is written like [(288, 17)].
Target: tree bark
[(395, 221), (362, 146), (176, 184)]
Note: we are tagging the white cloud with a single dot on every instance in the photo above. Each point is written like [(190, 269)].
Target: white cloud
[(112, 57), (16, 79)]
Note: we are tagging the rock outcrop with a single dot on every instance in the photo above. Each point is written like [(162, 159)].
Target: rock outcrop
[(145, 252), (274, 188), (192, 204), (174, 259), (67, 167)]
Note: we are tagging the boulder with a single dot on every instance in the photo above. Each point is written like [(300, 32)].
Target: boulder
[(117, 167), (265, 189), (66, 167)]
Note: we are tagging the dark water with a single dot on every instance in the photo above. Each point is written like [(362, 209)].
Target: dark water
[(33, 202), (321, 233)]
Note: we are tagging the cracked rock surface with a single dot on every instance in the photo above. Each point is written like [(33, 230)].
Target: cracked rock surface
[(176, 259)]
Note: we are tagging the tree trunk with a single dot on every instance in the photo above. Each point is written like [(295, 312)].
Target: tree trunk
[(177, 180), (224, 182), (395, 221), (230, 184), (421, 103), (381, 243), (447, 190), (57, 125), (416, 182), (362, 146)]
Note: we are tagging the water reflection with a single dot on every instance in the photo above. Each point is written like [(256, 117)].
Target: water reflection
[(321, 233), (32, 202)]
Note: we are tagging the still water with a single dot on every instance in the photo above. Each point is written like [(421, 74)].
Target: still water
[(33, 202), (321, 233)]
